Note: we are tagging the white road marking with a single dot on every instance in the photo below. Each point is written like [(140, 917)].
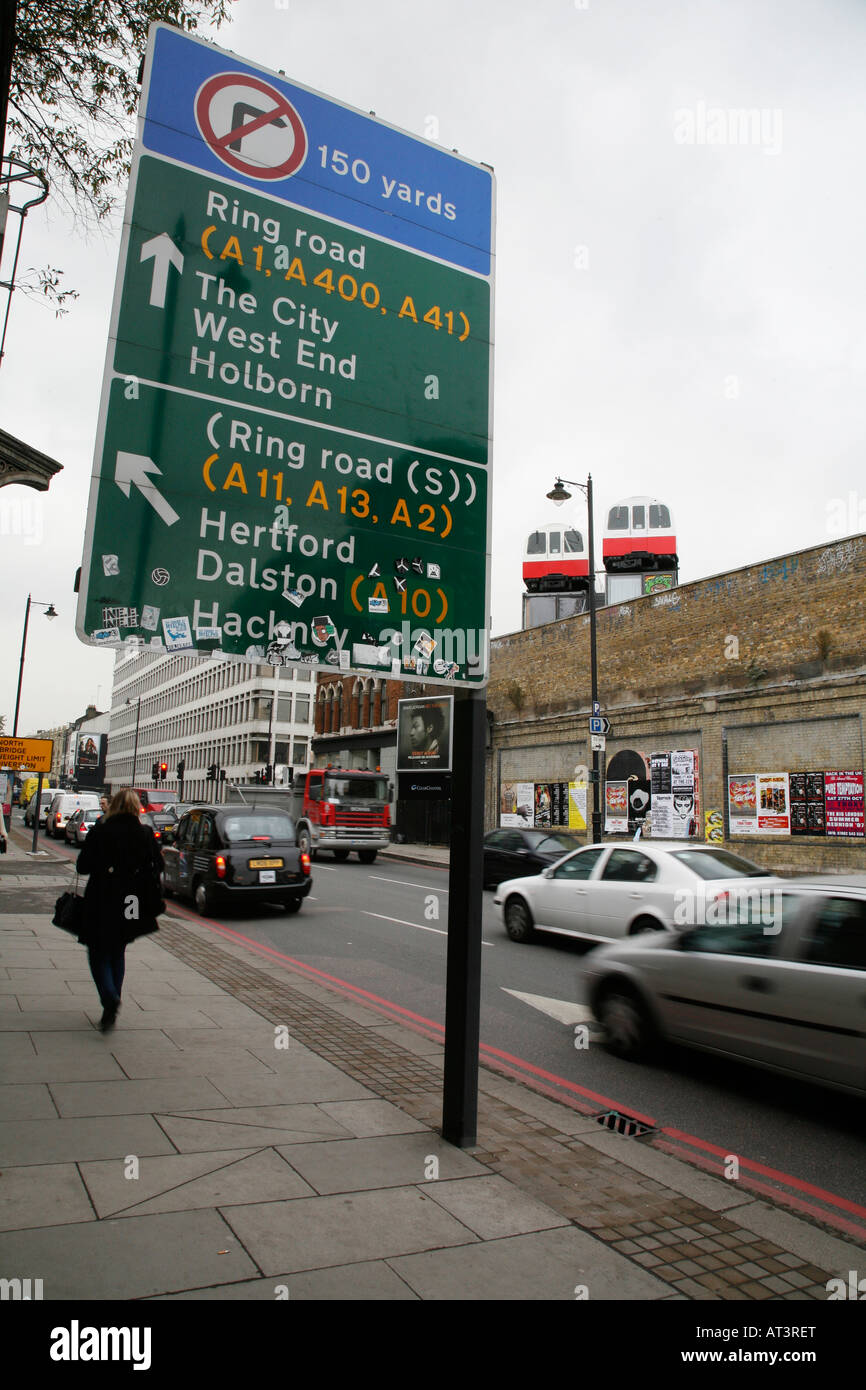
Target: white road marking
[(417, 925), (407, 884), (563, 1010)]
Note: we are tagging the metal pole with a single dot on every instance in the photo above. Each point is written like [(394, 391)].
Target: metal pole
[(463, 970), (593, 666), (272, 733), (21, 667)]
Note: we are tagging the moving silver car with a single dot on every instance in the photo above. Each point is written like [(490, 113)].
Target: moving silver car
[(789, 994)]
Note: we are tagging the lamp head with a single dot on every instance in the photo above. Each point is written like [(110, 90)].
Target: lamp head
[(559, 494)]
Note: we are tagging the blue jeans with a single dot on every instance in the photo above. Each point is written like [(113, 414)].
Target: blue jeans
[(107, 969)]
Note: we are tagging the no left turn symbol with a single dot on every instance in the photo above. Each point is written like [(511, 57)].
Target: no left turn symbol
[(250, 126)]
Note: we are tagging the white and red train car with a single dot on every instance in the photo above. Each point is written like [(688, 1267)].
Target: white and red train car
[(555, 559), (639, 535)]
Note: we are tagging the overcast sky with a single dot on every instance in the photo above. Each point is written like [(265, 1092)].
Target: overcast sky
[(680, 300)]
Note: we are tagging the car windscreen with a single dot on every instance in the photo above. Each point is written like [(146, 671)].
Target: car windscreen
[(357, 788), (557, 844), (719, 863), (272, 825)]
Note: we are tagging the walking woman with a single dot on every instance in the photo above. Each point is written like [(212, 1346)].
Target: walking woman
[(122, 898)]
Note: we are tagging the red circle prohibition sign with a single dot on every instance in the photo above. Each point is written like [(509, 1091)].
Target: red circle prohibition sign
[(277, 113)]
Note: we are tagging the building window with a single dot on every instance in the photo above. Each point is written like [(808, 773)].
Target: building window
[(299, 752)]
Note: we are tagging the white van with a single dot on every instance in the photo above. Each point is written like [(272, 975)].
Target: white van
[(48, 795), (62, 807)]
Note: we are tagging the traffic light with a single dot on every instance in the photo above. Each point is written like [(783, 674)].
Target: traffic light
[(163, 769), (154, 773), (269, 774), (181, 769), (222, 774), (212, 772)]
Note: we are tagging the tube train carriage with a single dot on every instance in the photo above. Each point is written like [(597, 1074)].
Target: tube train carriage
[(639, 535), (555, 558)]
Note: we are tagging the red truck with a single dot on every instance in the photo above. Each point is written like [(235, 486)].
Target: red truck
[(340, 809)]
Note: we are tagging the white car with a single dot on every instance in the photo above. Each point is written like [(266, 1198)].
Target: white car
[(607, 891)]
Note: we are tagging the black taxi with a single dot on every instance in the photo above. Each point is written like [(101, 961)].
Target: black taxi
[(221, 855)]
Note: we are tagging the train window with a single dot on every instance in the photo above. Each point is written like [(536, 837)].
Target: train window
[(554, 542), (573, 541), (537, 544), (638, 518), (617, 519), (660, 517)]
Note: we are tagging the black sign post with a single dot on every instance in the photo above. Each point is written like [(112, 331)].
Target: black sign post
[(463, 971)]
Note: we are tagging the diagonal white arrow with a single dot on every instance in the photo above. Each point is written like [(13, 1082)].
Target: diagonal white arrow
[(563, 1010), (163, 252), (132, 470)]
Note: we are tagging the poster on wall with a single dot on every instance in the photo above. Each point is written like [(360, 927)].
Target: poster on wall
[(517, 804), (87, 756), (660, 775), (616, 807), (816, 821), (559, 803), (714, 830), (742, 804), (683, 813), (759, 804), (542, 805), (577, 805), (843, 799)]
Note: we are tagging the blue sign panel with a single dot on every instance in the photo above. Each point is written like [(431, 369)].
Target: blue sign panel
[(210, 110)]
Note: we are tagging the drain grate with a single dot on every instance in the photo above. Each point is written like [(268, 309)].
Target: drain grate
[(626, 1125)]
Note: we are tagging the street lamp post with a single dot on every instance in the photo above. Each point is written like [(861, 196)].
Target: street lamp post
[(559, 495), (51, 612)]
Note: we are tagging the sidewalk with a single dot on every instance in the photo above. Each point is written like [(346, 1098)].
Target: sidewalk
[(246, 1126)]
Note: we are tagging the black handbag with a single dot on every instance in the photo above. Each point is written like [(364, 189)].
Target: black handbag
[(69, 913)]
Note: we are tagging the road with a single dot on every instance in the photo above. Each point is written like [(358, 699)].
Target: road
[(382, 929)]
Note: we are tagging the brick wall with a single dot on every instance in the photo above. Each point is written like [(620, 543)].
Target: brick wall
[(769, 659)]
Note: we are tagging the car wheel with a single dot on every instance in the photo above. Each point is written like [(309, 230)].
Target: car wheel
[(304, 842), (367, 856), (341, 855), (202, 898), (292, 906), (625, 1021), (645, 924), (518, 920)]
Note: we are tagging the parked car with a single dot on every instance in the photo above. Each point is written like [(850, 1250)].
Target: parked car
[(222, 855), (62, 806), (609, 890), (789, 996), (513, 851), (79, 823)]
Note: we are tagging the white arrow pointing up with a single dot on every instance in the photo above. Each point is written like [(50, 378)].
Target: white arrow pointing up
[(133, 469), (563, 1010), (162, 251)]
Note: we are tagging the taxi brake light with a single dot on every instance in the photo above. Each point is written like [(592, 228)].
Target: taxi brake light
[(220, 865), (305, 862)]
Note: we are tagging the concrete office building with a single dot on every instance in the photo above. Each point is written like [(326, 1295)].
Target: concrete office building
[(204, 710)]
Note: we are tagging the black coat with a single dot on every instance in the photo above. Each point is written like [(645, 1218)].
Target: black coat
[(122, 898)]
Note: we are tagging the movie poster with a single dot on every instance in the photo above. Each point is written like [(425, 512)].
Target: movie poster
[(424, 734)]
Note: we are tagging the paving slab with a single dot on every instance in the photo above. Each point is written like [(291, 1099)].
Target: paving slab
[(71, 1141), (28, 1102), (551, 1265), (228, 1129), (44, 1194), (363, 1282), (79, 1068), (715, 1193), (133, 1097), (140, 1063), (396, 1161), (289, 1088), (128, 1258), (184, 1182), (315, 1232), (366, 1118), (492, 1208)]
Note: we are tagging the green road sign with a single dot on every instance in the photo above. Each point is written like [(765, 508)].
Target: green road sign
[(294, 436)]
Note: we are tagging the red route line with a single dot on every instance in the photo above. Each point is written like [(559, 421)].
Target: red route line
[(523, 1067)]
